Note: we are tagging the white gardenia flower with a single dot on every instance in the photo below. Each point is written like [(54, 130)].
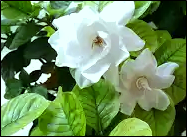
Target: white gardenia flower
[(141, 82), (95, 43)]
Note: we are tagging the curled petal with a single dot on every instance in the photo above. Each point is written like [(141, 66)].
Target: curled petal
[(160, 82), (95, 72), (167, 68), (81, 81), (118, 11), (131, 40), (155, 98)]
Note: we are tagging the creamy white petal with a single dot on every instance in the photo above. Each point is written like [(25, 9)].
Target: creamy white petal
[(155, 98), (61, 60), (118, 52), (89, 13), (118, 11), (160, 82), (95, 72), (146, 58), (81, 81), (127, 102), (167, 68), (112, 75), (131, 40), (127, 72)]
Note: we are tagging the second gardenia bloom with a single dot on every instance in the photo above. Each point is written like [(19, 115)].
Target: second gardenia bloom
[(141, 81), (95, 43)]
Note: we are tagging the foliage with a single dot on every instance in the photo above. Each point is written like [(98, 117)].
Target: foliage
[(92, 111)]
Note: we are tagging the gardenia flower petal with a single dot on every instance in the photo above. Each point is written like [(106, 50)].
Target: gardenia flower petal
[(128, 103), (167, 68), (131, 40), (118, 11), (81, 81), (146, 58), (155, 98)]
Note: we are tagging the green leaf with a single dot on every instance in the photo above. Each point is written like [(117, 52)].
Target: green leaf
[(152, 8), (60, 4), (174, 50), (162, 36), (40, 48), (37, 132), (6, 24), (35, 75), (16, 9), (24, 34), (63, 117), (140, 8), (131, 127), (49, 30), (24, 77), (39, 90), (160, 122), (145, 32), (100, 104), (10, 64), (14, 88), (20, 111)]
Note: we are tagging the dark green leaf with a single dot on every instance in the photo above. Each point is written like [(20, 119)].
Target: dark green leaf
[(35, 75), (60, 4), (40, 48), (24, 77), (24, 34), (14, 88), (20, 111), (12, 63), (39, 90), (100, 104), (48, 67), (63, 117), (16, 9)]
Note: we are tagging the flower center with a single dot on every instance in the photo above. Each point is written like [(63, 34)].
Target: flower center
[(98, 41), (142, 84)]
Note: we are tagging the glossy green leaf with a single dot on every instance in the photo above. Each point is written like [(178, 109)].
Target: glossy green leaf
[(49, 30), (22, 36), (160, 122), (37, 132), (40, 48), (24, 78), (100, 104), (63, 117), (60, 4), (16, 9), (20, 111), (39, 90), (10, 64), (174, 50), (13, 88), (131, 127), (152, 8), (140, 8), (145, 32), (162, 36)]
